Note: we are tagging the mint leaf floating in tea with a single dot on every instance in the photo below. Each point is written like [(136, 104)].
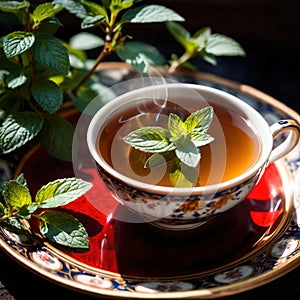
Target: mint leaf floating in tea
[(178, 145)]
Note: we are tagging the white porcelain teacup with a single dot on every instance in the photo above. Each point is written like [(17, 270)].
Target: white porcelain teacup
[(178, 208)]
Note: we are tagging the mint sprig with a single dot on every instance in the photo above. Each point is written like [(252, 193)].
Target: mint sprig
[(16, 203), (182, 138)]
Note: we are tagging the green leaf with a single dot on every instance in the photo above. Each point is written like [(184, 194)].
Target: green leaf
[(18, 129), (21, 179), (61, 192), (14, 225), (158, 159), (17, 42), (86, 41), (199, 120), (178, 32), (218, 44), (57, 137), (15, 80), (2, 208), (200, 139), (210, 58), (43, 11), (47, 94), (26, 211), (94, 8), (140, 55), (201, 36), (63, 229), (15, 194), (176, 126), (149, 139), (51, 54), (150, 14), (183, 176), (49, 26), (92, 21), (182, 36), (133, 58), (116, 5), (13, 6), (74, 7), (188, 153)]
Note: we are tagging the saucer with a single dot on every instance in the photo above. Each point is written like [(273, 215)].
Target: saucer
[(252, 244)]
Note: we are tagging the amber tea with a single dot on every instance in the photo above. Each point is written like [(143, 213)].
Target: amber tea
[(234, 150)]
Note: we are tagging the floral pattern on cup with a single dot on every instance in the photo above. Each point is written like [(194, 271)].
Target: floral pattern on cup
[(173, 211)]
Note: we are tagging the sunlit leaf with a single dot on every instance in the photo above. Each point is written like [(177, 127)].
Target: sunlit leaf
[(151, 13), (17, 42)]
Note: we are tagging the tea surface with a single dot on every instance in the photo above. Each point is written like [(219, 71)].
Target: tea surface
[(234, 150)]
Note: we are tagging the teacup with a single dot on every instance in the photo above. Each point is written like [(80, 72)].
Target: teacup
[(181, 208)]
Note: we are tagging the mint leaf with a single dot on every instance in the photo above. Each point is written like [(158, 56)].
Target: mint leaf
[(218, 44), (18, 129), (133, 58), (15, 80), (63, 229), (15, 194), (25, 211), (85, 41), (13, 6), (17, 42), (140, 55), (61, 192), (201, 36), (210, 58), (47, 94), (2, 208), (21, 179), (200, 139), (92, 21), (182, 36), (150, 13), (49, 26), (199, 120), (116, 5), (150, 139), (94, 8), (188, 153), (43, 11), (176, 126), (179, 33), (183, 176), (14, 225), (57, 137), (73, 7), (183, 137), (51, 54), (158, 159)]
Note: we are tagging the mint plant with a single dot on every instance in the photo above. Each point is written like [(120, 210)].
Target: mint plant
[(203, 43), (30, 58), (17, 204), (40, 74), (178, 145)]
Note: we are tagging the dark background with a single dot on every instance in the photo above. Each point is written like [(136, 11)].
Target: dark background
[(269, 32)]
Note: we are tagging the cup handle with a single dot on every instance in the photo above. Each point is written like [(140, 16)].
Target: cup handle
[(289, 143)]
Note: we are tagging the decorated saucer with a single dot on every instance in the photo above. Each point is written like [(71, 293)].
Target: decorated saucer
[(252, 244)]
